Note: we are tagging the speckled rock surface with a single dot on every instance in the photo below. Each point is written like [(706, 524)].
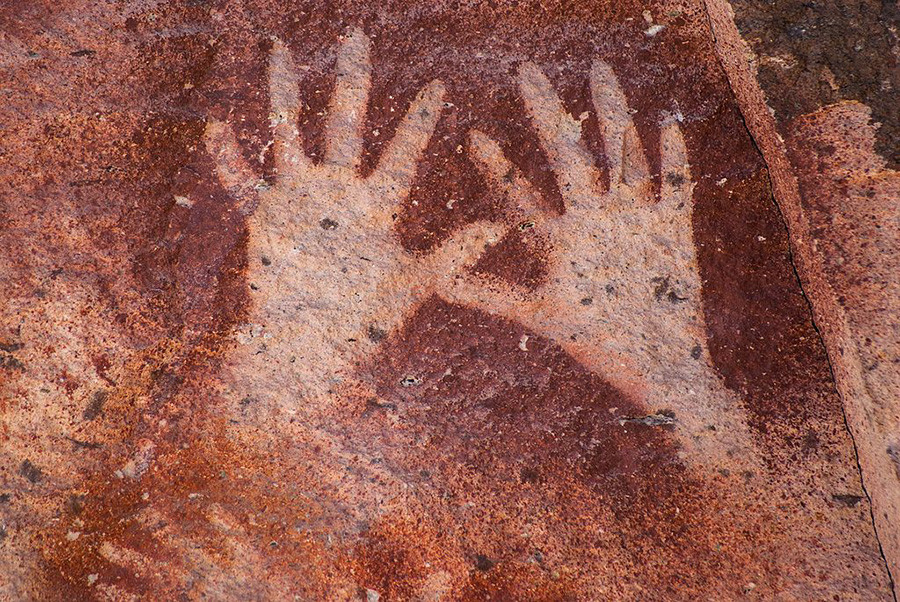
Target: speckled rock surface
[(850, 198), (434, 301), (832, 173)]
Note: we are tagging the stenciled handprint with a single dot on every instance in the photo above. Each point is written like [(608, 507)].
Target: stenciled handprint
[(623, 290), (329, 279), (212, 558)]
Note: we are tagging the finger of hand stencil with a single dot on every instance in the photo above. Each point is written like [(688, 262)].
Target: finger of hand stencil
[(346, 114), (500, 171), (626, 157), (490, 295), (677, 187), (401, 158), (228, 530), (139, 564), (559, 133), (464, 247), (284, 94), (234, 173)]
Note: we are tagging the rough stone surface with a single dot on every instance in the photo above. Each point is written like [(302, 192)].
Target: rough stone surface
[(832, 177), (850, 199), (810, 55), (441, 301)]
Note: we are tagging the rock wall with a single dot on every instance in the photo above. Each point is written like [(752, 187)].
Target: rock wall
[(432, 301), (831, 172)]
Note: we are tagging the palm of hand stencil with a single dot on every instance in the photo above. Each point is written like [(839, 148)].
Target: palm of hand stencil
[(622, 294), (329, 278)]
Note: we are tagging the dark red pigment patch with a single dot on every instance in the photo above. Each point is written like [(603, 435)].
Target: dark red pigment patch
[(520, 257), (478, 385), (535, 428), (102, 365), (759, 324)]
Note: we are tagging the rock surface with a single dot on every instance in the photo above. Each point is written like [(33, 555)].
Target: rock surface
[(833, 177), (442, 301)]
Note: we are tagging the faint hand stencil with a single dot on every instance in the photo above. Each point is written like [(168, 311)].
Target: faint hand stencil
[(329, 279), (210, 558), (623, 289)]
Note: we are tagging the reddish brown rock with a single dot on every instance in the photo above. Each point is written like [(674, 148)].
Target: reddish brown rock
[(838, 196), (434, 301)]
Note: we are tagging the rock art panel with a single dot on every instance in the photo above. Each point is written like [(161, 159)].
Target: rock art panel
[(428, 302), (326, 292), (643, 335)]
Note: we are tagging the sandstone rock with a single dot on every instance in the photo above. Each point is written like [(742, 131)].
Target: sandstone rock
[(439, 302)]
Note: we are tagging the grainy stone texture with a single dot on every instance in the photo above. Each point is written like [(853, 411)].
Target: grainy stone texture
[(850, 199), (810, 55), (832, 166), (432, 301)]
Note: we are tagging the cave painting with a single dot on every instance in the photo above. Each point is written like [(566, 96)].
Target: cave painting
[(330, 285), (328, 289), (623, 294)]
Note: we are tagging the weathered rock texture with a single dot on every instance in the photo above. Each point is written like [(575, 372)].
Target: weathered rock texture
[(431, 301), (832, 177)]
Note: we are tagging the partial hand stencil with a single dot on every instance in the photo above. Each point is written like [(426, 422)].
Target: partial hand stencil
[(211, 558), (329, 279), (623, 294)]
